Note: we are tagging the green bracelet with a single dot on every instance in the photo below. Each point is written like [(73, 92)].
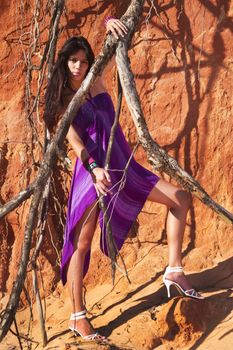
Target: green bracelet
[(92, 166)]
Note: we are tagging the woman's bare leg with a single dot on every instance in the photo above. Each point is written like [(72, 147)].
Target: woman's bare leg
[(178, 202), (83, 237)]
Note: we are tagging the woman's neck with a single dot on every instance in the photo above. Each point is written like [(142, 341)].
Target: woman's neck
[(74, 85)]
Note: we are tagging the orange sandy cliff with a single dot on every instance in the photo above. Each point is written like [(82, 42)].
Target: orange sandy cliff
[(182, 60)]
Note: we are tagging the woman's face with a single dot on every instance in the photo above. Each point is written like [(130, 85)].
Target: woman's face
[(78, 66)]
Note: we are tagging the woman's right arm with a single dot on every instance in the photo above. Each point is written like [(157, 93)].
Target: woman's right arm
[(100, 176), (77, 144)]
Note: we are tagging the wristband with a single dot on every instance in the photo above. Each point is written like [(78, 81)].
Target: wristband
[(92, 166), (88, 161), (107, 18)]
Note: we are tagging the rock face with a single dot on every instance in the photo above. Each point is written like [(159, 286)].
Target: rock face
[(181, 56)]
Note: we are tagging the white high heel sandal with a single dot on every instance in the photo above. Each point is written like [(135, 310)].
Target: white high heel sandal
[(90, 337), (192, 293)]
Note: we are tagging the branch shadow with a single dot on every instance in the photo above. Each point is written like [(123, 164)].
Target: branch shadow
[(80, 18), (218, 317), (218, 277), (191, 67), (212, 279)]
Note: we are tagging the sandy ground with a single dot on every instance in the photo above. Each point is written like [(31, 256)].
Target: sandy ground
[(137, 316)]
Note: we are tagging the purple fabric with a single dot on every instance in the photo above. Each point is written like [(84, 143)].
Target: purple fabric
[(93, 124)]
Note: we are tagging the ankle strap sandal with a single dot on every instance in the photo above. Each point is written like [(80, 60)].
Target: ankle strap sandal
[(192, 293), (90, 337)]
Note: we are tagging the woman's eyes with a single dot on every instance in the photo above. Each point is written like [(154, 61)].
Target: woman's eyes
[(74, 60)]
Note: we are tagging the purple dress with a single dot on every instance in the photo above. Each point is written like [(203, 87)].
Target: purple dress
[(129, 190)]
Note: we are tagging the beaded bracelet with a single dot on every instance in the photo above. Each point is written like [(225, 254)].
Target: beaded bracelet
[(90, 164), (107, 18)]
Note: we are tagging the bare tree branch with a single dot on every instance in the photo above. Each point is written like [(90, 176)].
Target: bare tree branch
[(111, 244), (134, 13), (15, 202), (26, 193), (17, 334), (115, 124), (11, 308), (156, 155), (39, 306)]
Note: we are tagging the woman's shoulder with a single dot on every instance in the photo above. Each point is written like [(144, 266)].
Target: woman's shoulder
[(67, 96), (98, 87)]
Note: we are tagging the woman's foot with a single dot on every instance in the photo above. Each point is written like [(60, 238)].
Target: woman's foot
[(83, 326), (175, 276), (180, 278), (80, 325)]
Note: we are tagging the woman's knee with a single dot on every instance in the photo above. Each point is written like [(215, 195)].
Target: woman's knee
[(184, 199), (83, 245)]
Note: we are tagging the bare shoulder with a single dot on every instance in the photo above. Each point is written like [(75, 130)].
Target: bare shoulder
[(100, 83), (98, 87)]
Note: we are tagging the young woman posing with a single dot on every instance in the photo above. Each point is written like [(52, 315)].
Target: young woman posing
[(88, 135)]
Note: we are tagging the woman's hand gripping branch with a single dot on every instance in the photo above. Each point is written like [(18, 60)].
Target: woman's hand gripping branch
[(102, 181), (115, 26)]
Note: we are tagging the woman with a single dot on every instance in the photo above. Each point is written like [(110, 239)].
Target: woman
[(124, 194)]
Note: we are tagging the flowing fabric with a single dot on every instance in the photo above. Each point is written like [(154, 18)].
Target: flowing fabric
[(129, 188)]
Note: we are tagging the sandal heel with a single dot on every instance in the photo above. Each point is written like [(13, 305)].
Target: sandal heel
[(192, 293), (90, 337)]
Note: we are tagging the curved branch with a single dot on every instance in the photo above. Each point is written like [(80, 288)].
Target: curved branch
[(156, 155)]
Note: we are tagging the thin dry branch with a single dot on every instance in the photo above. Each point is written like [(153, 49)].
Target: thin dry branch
[(47, 59), (43, 209), (26, 193), (156, 155), (17, 334), (115, 124), (111, 244), (39, 307), (8, 315), (15, 202), (50, 53)]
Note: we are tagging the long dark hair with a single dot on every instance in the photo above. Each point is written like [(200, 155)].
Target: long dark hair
[(53, 96)]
